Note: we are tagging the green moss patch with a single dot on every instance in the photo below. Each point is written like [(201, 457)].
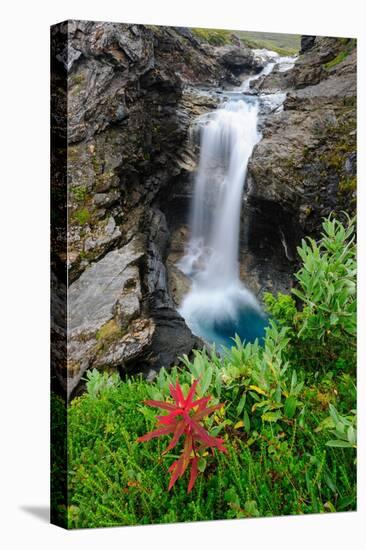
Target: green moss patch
[(79, 193), (350, 45), (348, 185), (111, 330), (82, 216), (215, 37)]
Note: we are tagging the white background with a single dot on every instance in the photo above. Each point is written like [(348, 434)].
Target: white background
[(24, 314)]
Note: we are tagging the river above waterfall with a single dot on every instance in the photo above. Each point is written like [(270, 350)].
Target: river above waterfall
[(218, 305)]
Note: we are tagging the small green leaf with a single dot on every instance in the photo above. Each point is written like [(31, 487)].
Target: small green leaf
[(246, 422), (290, 406), (206, 380), (338, 443), (351, 435), (251, 508), (202, 464), (241, 404), (271, 416), (231, 496)]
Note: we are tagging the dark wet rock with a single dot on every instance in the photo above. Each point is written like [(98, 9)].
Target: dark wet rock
[(307, 42), (239, 59), (172, 337)]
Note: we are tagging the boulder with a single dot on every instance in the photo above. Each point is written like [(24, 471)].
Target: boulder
[(307, 42), (239, 59), (102, 307)]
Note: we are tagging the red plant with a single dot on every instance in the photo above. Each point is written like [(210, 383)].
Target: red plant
[(183, 419)]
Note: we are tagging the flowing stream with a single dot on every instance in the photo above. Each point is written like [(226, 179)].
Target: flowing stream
[(218, 305)]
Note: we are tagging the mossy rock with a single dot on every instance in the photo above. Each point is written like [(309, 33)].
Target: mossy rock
[(110, 331)]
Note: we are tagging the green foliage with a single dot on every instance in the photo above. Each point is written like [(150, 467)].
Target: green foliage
[(79, 193), (289, 424), (322, 330), (82, 216), (215, 37), (327, 285), (113, 480), (281, 308), (97, 382), (284, 44), (343, 428), (326, 325)]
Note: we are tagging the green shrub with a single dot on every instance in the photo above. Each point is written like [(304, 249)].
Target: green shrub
[(281, 308), (322, 330), (343, 429), (327, 283)]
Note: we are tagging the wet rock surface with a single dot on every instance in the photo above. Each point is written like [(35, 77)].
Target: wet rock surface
[(239, 59)]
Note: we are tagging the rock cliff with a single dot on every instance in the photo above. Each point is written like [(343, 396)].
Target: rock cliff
[(132, 95), (129, 107), (306, 161)]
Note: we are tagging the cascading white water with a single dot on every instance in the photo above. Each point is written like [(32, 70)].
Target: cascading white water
[(267, 69), (218, 304), (228, 139)]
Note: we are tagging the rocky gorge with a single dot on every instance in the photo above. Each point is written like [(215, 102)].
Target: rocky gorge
[(133, 95)]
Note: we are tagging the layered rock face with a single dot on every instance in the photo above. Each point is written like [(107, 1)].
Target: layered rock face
[(306, 161), (128, 109)]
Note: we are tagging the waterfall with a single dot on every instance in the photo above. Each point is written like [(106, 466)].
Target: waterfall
[(227, 142), (218, 305), (267, 69)]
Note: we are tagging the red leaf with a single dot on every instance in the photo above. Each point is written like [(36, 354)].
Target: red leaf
[(200, 403), (194, 472), (160, 405), (173, 393), (169, 418), (208, 439), (172, 466), (199, 430), (176, 472), (156, 433), (187, 449), (191, 393), (180, 395), (177, 434), (205, 412)]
